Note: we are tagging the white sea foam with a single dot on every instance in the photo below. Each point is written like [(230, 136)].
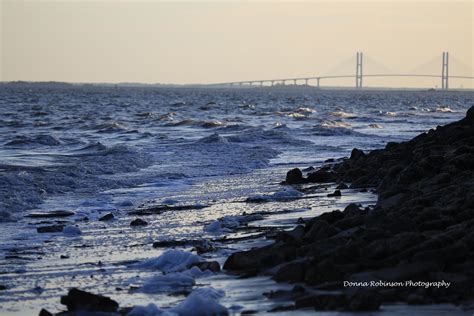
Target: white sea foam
[(174, 281), (201, 302), (287, 193), (170, 261), (227, 223)]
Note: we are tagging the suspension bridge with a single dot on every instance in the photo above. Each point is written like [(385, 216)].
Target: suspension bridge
[(444, 75)]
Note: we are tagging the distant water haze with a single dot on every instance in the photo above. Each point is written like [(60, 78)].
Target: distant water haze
[(221, 41)]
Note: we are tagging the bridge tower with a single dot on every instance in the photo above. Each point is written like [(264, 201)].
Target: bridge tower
[(359, 70), (445, 72)]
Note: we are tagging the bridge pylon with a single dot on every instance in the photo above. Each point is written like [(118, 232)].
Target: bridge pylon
[(359, 73), (445, 72)]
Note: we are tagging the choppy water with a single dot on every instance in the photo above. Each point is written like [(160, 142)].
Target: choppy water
[(93, 150)]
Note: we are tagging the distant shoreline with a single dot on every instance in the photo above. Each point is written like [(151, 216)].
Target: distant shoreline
[(49, 84)]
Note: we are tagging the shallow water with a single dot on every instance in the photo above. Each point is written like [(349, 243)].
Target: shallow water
[(99, 150)]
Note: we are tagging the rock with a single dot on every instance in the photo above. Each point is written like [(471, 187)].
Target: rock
[(77, 300), (213, 266), (352, 209), (470, 114), (107, 217), (356, 154), (44, 312), (321, 272), (450, 254), (322, 302), (138, 222), (50, 229), (320, 230), (259, 259), (329, 217), (294, 235), (437, 224), (335, 193), (64, 257), (320, 176), (2, 287), (291, 272), (364, 301), (59, 213), (294, 176)]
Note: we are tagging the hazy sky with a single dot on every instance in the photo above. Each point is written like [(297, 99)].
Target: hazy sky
[(218, 41)]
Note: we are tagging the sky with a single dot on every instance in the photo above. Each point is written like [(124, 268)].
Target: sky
[(220, 41)]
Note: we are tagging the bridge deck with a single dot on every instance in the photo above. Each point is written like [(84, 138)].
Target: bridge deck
[(318, 78)]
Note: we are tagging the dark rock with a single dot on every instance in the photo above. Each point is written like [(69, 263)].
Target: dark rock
[(138, 222), (294, 235), (350, 222), (324, 271), (450, 254), (470, 114), (329, 217), (356, 154), (59, 213), (294, 176), (322, 302), (335, 193), (64, 257), (107, 217), (321, 230), (364, 301), (213, 266), (320, 176), (353, 209), (50, 229), (260, 259), (437, 224), (2, 287), (44, 312), (77, 300), (291, 272)]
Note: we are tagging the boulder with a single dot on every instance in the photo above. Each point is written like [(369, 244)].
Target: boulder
[(364, 300), (291, 272), (107, 217), (320, 230), (59, 213), (138, 222), (356, 154), (77, 300), (294, 176), (335, 193), (322, 301), (44, 312), (320, 176)]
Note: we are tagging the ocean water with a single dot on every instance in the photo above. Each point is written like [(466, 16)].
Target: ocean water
[(95, 150)]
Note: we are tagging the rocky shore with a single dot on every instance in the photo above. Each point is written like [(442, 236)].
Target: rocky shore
[(416, 245)]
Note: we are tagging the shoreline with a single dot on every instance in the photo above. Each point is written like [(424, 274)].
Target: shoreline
[(410, 234)]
